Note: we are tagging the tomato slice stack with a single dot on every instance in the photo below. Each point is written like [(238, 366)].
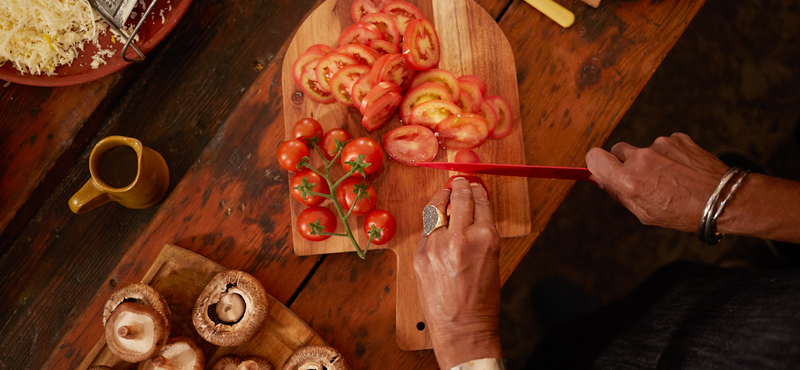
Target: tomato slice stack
[(386, 62)]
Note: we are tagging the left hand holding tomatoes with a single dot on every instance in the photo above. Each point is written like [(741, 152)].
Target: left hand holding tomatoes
[(458, 277)]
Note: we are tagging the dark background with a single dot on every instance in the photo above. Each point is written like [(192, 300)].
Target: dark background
[(731, 83)]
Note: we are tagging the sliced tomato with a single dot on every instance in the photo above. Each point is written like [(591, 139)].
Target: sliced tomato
[(310, 86), (421, 45), (377, 92), (343, 81), (301, 61), (467, 156), (487, 112), (441, 77), (475, 80), (383, 47), (462, 131), (402, 12), (329, 145), (430, 113), (396, 70), (360, 90), (324, 49), (411, 144), (471, 96), (386, 25), (362, 54), (328, 66), (359, 33), (377, 113), (419, 94), (505, 118), (375, 74), (360, 8)]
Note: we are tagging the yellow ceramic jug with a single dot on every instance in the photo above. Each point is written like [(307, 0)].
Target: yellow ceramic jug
[(124, 171)]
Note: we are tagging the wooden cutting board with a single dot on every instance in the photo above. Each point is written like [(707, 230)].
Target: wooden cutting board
[(471, 43), (180, 276)]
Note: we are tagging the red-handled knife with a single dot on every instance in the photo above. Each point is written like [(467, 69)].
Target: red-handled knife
[(545, 172)]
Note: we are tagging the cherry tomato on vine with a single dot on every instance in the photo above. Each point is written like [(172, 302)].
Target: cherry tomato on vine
[(306, 128), (320, 186), (290, 153), (328, 146), (346, 196), (381, 220), (311, 215), (371, 150)]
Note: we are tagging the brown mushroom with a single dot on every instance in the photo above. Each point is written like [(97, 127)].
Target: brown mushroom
[(135, 332), (315, 357), (100, 367), (137, 322), (232, 362), (231, 309), (137, 293), (178, 354)]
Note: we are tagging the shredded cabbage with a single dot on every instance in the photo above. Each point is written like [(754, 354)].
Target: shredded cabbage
[(39, 35)]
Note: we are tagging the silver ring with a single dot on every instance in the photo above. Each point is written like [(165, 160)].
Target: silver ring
[(432, 219)]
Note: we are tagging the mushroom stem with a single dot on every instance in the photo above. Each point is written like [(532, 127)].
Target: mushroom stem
[(129, 331), (247, 365), (230, 307), (164, 363)]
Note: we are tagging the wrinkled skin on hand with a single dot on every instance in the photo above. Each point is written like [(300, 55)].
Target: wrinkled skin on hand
[(458, 277), (666, 184)]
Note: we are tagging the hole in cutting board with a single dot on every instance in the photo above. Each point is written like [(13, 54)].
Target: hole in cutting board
[(420, 326)]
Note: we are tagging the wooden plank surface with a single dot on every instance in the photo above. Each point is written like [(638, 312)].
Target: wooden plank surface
[(180, 276), (197, 102), (471, 44), (627, 41), (177, 105)]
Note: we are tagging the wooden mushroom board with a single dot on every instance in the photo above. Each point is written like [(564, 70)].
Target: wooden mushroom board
[(180, 276), (471, 43)]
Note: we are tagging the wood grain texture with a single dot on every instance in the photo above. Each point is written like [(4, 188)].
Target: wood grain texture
[(180, 276), (560, 124), (471, 44), (177, 106), (188, 103)]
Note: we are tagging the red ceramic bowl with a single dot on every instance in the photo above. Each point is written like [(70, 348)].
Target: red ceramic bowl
[(150, 34)]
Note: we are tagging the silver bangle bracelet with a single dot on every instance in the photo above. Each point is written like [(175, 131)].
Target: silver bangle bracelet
[(706, 231)]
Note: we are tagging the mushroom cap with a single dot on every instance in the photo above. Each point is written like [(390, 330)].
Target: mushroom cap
[(150, 328), (181, 350), (220, 333), (100, 367), (315, 357), (263, 363), (138, 293), (227, 362), (233, 362)]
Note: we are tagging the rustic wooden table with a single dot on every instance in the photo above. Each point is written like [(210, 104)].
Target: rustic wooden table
[(199, 100)]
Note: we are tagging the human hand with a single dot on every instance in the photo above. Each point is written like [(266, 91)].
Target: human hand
[(458, 277), (666, 184)]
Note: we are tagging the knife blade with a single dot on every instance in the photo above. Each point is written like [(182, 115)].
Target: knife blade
[(546, 172)]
